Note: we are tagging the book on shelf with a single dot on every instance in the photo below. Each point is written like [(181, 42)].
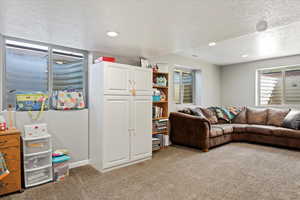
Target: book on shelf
[(157, 112), (161, 138)]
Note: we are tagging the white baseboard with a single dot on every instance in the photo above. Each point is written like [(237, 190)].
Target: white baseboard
[(79, 163)]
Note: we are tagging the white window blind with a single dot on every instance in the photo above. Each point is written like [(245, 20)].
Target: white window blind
[(183, 86), (68, 70), (279, 86), (187, 82), (26, 69)]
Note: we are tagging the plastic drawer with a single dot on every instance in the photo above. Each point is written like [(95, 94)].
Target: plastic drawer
[(36, 146), (37, 161), (37, 177)]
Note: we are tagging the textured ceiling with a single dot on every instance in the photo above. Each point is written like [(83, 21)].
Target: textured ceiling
[(153, 27)]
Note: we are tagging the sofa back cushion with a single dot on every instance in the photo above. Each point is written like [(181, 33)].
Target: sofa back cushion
[(197, 112), (241, 118), (292, 120), (257, 116), (210, 115), (276, 116)]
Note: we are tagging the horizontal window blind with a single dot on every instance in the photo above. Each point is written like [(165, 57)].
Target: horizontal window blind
[(279, 86), (187, 82), (26, 71)]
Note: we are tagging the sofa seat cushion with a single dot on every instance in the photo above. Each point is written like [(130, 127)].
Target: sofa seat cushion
[(286, 132), (260, 129), (227, 128), (215, 131), (239, 128)]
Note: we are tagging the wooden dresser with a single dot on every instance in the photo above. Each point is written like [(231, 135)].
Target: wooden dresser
[(10, 147)]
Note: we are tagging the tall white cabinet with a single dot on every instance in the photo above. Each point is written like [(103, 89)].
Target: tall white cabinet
[(120, 120)]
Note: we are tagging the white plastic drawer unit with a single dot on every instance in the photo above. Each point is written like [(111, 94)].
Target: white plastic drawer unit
[(36, 145), (37, 161), (38, 176)]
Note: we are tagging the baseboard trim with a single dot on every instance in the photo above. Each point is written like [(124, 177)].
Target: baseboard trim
[(79, 163)]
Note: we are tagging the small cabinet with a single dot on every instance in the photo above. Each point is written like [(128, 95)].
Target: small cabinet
[(117, 79), (10, 148)]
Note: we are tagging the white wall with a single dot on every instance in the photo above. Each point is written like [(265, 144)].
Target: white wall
[(238, 80), (69, 130), (210, 84)]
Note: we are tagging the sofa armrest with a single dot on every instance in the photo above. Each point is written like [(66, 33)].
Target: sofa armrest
[(189, 130)]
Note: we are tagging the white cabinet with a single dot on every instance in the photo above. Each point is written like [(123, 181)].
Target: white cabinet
[(120, 123)]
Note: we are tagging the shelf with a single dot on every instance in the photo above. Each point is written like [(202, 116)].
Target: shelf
[(160, 87), (160, 132), (160, 101), (159, 118)]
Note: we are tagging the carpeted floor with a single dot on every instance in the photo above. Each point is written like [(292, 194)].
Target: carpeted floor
[(237, 171)]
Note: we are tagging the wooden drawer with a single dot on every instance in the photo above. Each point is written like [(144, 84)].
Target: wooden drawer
[(10, 183), (9, 140), (11, 153)]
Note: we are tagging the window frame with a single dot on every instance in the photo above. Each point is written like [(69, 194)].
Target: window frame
[(181, 88), (283, 70), (3, 103)]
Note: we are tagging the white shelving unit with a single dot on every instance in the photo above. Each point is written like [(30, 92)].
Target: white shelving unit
[(37, 160)]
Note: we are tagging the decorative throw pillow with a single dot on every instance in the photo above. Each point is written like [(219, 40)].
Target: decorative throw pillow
[(241, 118), (186, 111), (211, 116), (292, 120), (276, 116), (197, 112), (257, 116)]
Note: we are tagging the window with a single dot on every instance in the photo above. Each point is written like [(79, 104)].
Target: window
[(26, 69), (279, 86), (31, 67), (183, 83)]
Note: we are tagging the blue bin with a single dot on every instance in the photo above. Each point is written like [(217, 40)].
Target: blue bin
[(155, 98)]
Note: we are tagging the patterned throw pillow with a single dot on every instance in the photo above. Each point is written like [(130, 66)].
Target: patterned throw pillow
[(210, 115), (292, 120)]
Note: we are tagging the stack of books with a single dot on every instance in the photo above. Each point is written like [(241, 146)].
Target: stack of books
[(160, 125), (157, 111), (156, 145), (161, 139)]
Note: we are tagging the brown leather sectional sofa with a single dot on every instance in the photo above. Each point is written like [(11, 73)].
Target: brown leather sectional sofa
[(257, 125)]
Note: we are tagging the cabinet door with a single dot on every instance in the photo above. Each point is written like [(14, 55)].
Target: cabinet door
[(141, 136), (117, 79), (116, 130), (143, 81)]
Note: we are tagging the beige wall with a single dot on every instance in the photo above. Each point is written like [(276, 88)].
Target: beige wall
[(238, 81), (210, 75)]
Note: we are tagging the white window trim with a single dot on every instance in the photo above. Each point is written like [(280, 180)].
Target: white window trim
[(3, 38), (257, 87)]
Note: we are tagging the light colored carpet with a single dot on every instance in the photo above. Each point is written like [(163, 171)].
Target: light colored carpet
[(237, 171)]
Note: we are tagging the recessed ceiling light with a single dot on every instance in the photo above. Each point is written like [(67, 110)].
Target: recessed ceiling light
[(112, 34), (211, 44), (245, 55)]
